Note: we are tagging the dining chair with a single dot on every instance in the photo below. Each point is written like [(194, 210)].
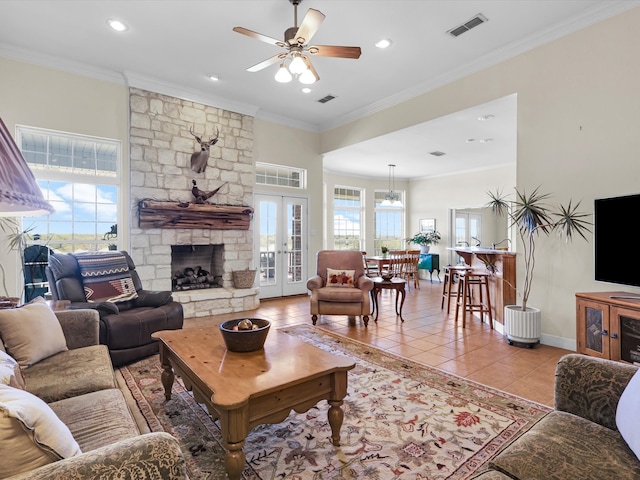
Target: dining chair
[(396, 263), (410, 272)]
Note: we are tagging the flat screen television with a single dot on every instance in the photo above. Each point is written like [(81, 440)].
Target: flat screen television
[(614, 222)]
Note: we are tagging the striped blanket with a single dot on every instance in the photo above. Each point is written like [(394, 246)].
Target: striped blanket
[(106, 277)]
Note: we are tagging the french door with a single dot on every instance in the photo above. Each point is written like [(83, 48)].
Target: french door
[(281, 244)]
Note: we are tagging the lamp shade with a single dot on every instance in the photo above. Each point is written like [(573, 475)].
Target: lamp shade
[(20, 194)]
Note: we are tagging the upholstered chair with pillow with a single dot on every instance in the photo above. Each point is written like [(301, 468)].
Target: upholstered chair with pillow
[(108, 282), (340, 286)]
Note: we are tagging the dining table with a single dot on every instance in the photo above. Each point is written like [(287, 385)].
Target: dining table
[(379, 260)]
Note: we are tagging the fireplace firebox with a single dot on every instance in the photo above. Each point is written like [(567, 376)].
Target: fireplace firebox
[(196, 267)]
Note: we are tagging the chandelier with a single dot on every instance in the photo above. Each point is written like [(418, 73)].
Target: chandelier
[(391, 198)]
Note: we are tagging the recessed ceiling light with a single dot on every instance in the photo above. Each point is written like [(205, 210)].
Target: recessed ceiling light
[(306, 90), (484, 118), (384, 43), (213, 77), (117, 25), (486, 140)]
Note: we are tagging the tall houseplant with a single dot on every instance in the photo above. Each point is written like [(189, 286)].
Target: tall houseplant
[(533, 216)]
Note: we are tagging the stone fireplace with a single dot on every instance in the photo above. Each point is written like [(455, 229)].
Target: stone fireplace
[(160, 152)]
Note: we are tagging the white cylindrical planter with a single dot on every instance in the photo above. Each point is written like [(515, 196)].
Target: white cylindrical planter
[(424, 248), (522, 326)]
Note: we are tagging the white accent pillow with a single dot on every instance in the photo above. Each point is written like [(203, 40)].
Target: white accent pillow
[(627, 418), (340, 278), (10, 372), (31, 434), (31, 332)]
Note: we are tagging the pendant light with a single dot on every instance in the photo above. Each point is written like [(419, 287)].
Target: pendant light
[(391, 198)]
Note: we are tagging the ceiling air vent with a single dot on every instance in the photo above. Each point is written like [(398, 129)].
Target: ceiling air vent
[(437, 153), (465, 27), (326, 99)]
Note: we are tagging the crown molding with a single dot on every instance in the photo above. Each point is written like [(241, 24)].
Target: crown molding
[(150, 84), (61, 64)]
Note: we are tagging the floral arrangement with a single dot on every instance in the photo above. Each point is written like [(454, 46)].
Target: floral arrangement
[(425, 238)]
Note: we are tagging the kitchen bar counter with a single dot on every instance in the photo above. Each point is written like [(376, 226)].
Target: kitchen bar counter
[(502, 283)]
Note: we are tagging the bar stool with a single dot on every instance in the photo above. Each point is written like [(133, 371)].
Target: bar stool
[(469, 280), (451, 272)]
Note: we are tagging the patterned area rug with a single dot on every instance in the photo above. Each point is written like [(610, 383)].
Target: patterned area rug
[(402, 421)]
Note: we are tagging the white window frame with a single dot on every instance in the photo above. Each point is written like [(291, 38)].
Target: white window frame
[(358, 211), (76, 176), (273, 175), (396, 242)]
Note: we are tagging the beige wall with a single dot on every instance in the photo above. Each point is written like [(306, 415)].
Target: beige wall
[(281, 145), (46, 98), (578, 123), (436, 197)]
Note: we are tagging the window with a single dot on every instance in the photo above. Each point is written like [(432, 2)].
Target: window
[(278, 175), (388, 224), (79, 176), (347, 218)]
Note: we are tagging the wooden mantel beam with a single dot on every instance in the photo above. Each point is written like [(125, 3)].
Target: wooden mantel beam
[(164, 214)]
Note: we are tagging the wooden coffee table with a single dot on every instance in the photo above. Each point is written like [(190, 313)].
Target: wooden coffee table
[(244, 390)]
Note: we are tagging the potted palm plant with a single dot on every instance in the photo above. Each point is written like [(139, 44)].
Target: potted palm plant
[(425, 240), (532, 217)]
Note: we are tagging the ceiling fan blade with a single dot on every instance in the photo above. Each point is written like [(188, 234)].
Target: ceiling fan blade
[(259, 36), (268, 62), (309, 26), (334, 51)]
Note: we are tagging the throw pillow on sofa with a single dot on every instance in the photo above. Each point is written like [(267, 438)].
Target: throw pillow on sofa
[(31, 332), (31, 434), (627, 418), (10, 372)]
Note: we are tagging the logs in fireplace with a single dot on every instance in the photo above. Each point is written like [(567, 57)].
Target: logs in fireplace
[(196, 267), (195, 278)]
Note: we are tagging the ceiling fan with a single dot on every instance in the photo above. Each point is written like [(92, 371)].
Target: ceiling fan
[(296, 42)]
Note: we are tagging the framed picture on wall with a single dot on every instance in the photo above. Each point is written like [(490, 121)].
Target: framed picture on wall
[(427, 225)]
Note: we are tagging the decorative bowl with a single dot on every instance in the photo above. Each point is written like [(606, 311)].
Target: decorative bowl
[(244, 340), (386, 276)]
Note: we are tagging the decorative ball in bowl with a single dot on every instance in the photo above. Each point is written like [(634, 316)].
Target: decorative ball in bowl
[(245, 334)]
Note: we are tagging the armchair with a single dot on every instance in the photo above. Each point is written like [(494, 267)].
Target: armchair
[(126, 324), (340, 292)]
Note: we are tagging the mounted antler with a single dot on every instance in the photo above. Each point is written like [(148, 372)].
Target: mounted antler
[(199, 159)]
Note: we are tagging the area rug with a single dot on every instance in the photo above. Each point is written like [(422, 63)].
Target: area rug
[(402, 420)]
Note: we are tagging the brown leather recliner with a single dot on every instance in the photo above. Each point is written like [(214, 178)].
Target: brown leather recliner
[(125, 327), (353, 300)]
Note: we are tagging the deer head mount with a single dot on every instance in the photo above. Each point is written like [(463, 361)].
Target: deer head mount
[(199, 159)]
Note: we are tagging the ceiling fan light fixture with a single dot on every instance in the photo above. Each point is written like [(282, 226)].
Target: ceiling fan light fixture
[(297, 65), (307, 77), (283, 75)]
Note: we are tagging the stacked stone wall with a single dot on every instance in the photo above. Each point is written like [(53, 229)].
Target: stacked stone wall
[(160, 157)]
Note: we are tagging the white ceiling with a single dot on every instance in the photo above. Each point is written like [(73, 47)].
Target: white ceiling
[(172, 46)]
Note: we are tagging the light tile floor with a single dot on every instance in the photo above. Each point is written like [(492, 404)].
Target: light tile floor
[(430, 336)]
